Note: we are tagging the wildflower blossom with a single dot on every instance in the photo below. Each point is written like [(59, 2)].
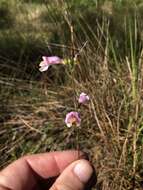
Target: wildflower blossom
[(47, 61), (72, 118), (83, 98)]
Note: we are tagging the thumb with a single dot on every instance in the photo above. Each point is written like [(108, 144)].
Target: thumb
[(74, 177)]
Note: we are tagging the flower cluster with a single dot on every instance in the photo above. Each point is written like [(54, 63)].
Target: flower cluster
[(73, 117)]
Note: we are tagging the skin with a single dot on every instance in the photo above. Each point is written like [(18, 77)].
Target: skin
[(52, 171)]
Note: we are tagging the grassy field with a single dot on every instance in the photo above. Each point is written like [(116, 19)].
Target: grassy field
[(109, 69)]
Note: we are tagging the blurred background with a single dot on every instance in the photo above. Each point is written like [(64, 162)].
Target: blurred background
[(109, 69), (29, 29)]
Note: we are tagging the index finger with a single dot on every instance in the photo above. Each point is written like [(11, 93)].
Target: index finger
[(22, 173)]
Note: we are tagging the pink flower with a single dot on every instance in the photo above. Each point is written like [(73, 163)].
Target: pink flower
[(72, 118), (83, 98), (47, 61)]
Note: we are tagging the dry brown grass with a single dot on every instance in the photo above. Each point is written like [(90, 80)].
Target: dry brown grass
[(111, 130)]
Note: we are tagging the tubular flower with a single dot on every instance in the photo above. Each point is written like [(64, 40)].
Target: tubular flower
[(83, 98), (47, 61), (72, 118)]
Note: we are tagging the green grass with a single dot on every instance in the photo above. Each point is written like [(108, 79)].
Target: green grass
[(109, 69)]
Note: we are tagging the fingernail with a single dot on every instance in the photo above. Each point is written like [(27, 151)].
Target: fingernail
[(83, 170)]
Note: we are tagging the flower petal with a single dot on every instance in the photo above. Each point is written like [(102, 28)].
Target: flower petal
[(83, 98), (45, 59), (52, 60), (69, 125), (42, 63), (44, 68)]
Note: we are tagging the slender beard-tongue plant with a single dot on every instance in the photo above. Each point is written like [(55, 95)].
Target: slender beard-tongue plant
[(73, 120), (47, 61)]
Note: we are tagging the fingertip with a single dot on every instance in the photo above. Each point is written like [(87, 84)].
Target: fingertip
[(75, 176), (83, 170)]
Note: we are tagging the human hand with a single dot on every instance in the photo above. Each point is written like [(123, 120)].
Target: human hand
[(36, 172)]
